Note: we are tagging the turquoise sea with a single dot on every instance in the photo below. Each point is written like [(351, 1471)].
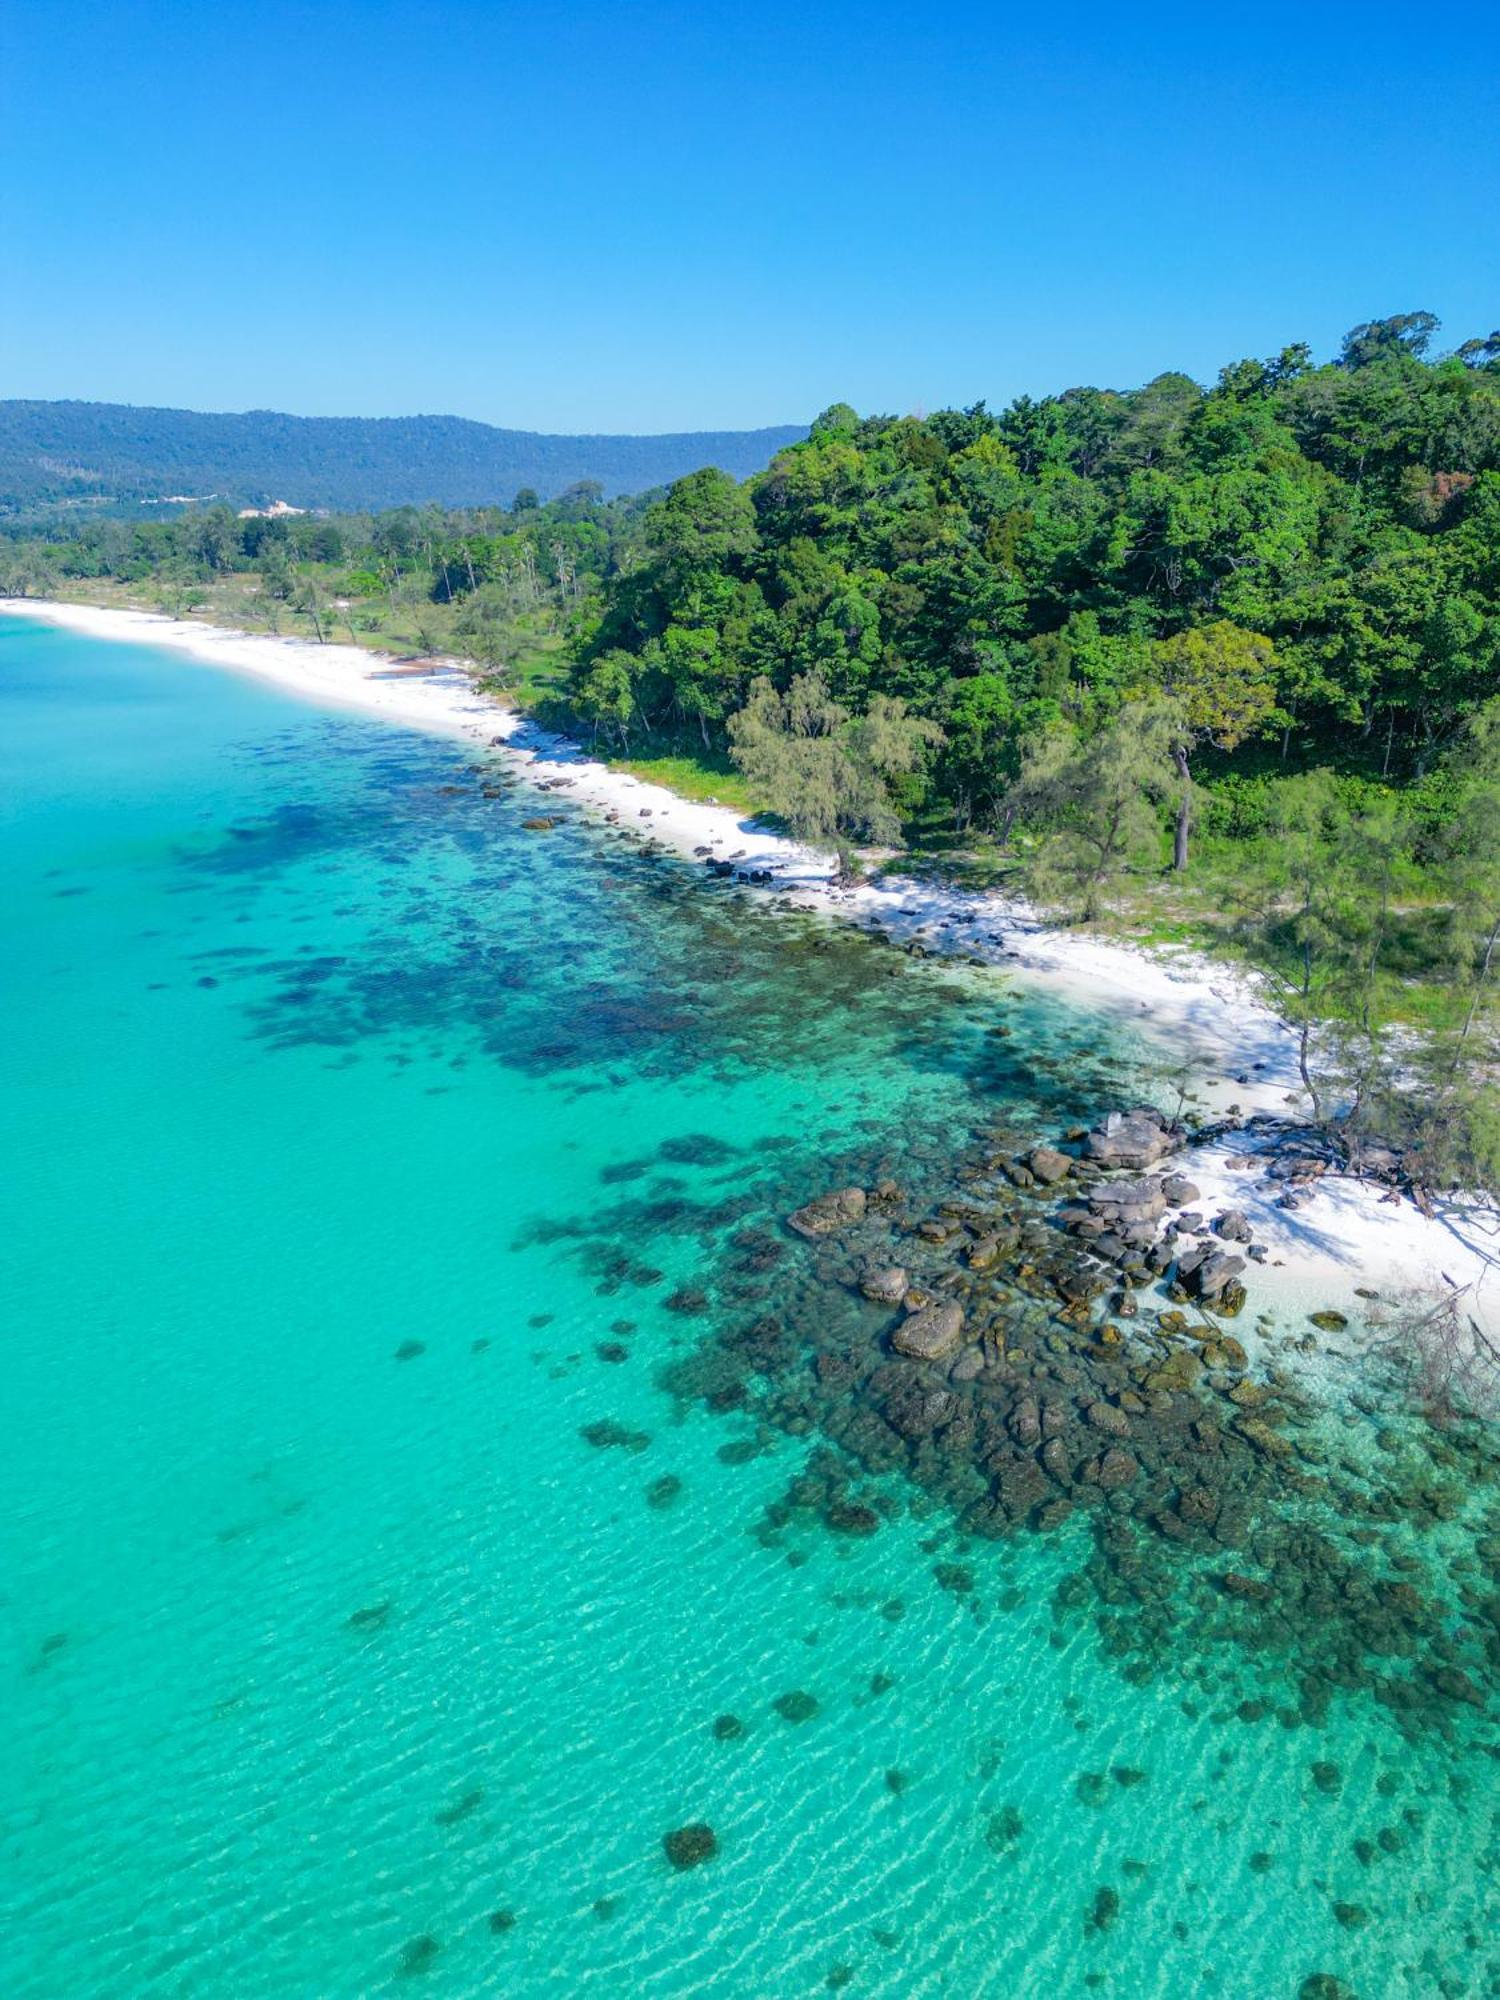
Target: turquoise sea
[(378, 1174)]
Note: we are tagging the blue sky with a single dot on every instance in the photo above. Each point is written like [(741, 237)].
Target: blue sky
[(646, 217)]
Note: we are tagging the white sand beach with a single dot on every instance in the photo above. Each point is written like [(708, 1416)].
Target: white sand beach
[(1207, 1019)]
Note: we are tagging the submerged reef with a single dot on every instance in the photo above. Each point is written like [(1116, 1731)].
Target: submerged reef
[(998, 1347)]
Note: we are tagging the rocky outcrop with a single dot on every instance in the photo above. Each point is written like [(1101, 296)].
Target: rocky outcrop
[(1206, 1273), (1132, 1139), (886, 1284), (829, 1213), (933, 1334), (1234, 1226)]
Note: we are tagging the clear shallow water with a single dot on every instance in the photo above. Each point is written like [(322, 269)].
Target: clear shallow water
[(309, 1050)]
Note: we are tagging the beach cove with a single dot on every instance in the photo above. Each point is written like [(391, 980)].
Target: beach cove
[(392, 1569), (1208, 1020)]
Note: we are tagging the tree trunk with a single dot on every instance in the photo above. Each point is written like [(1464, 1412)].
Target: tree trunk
[(1479, 986), (1184, 810)]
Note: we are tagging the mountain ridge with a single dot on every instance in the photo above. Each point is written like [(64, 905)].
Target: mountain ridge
[(76, 453)]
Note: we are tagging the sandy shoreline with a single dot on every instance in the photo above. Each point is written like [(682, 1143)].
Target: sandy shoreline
[(1342, 1236)]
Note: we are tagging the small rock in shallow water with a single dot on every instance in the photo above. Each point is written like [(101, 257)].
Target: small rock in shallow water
[(410, 1349), (932, 1334), (798, 1706), (1178, 1191), (502, 1921), (727, 1728), (1105, 1417), (1329, 1322), (417, 1954), (605, 1434), (829, 1212), (1105, 1910), (688, 1846), (1003, 1829), (664, 1492), (450, 1815), (1328, 1778), (886, 1285), (369, 1616)]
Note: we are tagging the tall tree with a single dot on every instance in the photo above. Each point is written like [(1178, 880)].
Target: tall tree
[(1222, 682), (828, 773), (1094, 804)]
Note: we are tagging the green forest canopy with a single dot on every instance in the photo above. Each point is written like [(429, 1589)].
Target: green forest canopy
[(1005, 572)]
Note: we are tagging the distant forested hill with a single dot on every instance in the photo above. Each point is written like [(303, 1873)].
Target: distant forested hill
[(113, 454)]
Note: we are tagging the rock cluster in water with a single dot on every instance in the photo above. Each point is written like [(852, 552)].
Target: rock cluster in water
[(1005, 1351)]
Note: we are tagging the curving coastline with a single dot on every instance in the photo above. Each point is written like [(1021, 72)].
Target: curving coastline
[(1208, 1020)]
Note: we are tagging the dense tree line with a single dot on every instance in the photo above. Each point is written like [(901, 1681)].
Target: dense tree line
[(482, 581), (1307, 558)]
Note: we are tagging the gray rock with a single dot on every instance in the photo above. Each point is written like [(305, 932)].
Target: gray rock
[(1234, 1226), (1179, 1190), (1116, 1468), (1105, 1417), (1215, 1272), (931, 1334), (1049, 1165), (887, 1285), (1130, 1139), (829, 1213)]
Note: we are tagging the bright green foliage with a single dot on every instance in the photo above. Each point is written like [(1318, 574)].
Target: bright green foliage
[(1095, 804), (1309, 550), (826, 772), (1222, 681)]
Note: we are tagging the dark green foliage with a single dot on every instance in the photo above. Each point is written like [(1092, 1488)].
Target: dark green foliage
[(1334, 527)]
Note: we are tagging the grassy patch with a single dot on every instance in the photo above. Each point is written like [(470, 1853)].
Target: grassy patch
[(704, 777)]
